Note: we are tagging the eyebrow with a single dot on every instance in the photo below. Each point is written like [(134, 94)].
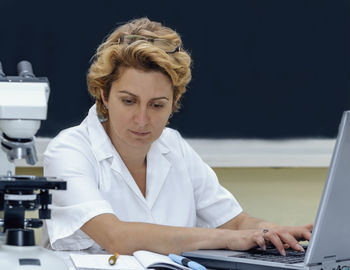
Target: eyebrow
[(131, 94)]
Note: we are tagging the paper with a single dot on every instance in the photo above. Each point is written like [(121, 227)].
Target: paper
[(140, 261), (154, 260), (100, 261)]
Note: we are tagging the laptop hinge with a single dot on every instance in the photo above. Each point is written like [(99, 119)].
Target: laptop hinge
[(329, 263)]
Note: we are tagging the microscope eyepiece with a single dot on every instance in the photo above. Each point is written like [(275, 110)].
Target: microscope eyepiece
[(2, 74), (25, 69)]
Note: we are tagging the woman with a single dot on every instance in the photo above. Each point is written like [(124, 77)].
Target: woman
[(133, 183)]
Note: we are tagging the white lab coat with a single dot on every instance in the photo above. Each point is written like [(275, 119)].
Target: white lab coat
[(181, 190)]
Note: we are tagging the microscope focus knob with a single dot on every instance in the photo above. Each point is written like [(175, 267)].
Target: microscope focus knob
[(33, 223), (44, 213)]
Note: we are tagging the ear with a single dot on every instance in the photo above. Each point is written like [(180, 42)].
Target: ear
[(176, 101), (103, 97), (177, 98)]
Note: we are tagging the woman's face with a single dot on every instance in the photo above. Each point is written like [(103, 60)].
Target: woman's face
[(139, 106)]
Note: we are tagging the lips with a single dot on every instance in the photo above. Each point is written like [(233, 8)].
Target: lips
[(138, 133)]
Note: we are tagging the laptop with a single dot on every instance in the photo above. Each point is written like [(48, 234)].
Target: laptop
[(329, 246)]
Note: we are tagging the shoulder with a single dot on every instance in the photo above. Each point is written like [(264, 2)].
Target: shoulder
[(78, 137), (73, 136), (70, 139)]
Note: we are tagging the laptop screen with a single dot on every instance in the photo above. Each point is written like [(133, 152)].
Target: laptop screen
[(331, 234)]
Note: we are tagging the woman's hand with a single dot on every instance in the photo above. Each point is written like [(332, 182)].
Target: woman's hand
[(279, 236), (244, 239)]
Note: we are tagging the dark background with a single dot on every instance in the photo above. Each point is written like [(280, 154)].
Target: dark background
[(262, 69)]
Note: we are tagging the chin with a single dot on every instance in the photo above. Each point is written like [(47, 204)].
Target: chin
[(142, 142)]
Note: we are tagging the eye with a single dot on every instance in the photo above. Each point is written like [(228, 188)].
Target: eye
[(128, 101), (157, 105)]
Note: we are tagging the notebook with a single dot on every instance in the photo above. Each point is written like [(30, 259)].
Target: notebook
[(329, 246), (141, 260)]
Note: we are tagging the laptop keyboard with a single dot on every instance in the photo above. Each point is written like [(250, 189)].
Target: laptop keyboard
[(272, 255)]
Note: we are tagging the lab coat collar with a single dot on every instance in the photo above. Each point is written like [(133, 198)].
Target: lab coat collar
[(158, 167), (100, 142)]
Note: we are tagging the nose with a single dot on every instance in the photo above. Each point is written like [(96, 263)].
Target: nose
[(141, 117)]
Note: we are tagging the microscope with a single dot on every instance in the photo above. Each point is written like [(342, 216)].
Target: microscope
[(23, 104)]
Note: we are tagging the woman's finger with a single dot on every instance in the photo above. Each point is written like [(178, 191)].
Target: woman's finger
[(307, 235), (259, 240), (289, 239), (273, 237), (309, 227)]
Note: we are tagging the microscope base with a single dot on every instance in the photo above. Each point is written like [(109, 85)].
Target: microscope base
[(29, 258)]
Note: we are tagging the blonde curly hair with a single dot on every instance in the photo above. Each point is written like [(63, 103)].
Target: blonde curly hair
[(142, 54)]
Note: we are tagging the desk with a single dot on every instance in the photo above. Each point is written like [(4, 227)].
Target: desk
[(65, 255), (248, 153)]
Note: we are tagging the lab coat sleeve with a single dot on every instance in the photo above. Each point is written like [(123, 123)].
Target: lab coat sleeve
[(65, 158), (215, 205)]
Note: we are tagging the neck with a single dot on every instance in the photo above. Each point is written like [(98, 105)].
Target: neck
[(133, 157)]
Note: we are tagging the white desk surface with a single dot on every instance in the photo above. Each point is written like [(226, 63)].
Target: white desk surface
[(65, 255), (247, 152)]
